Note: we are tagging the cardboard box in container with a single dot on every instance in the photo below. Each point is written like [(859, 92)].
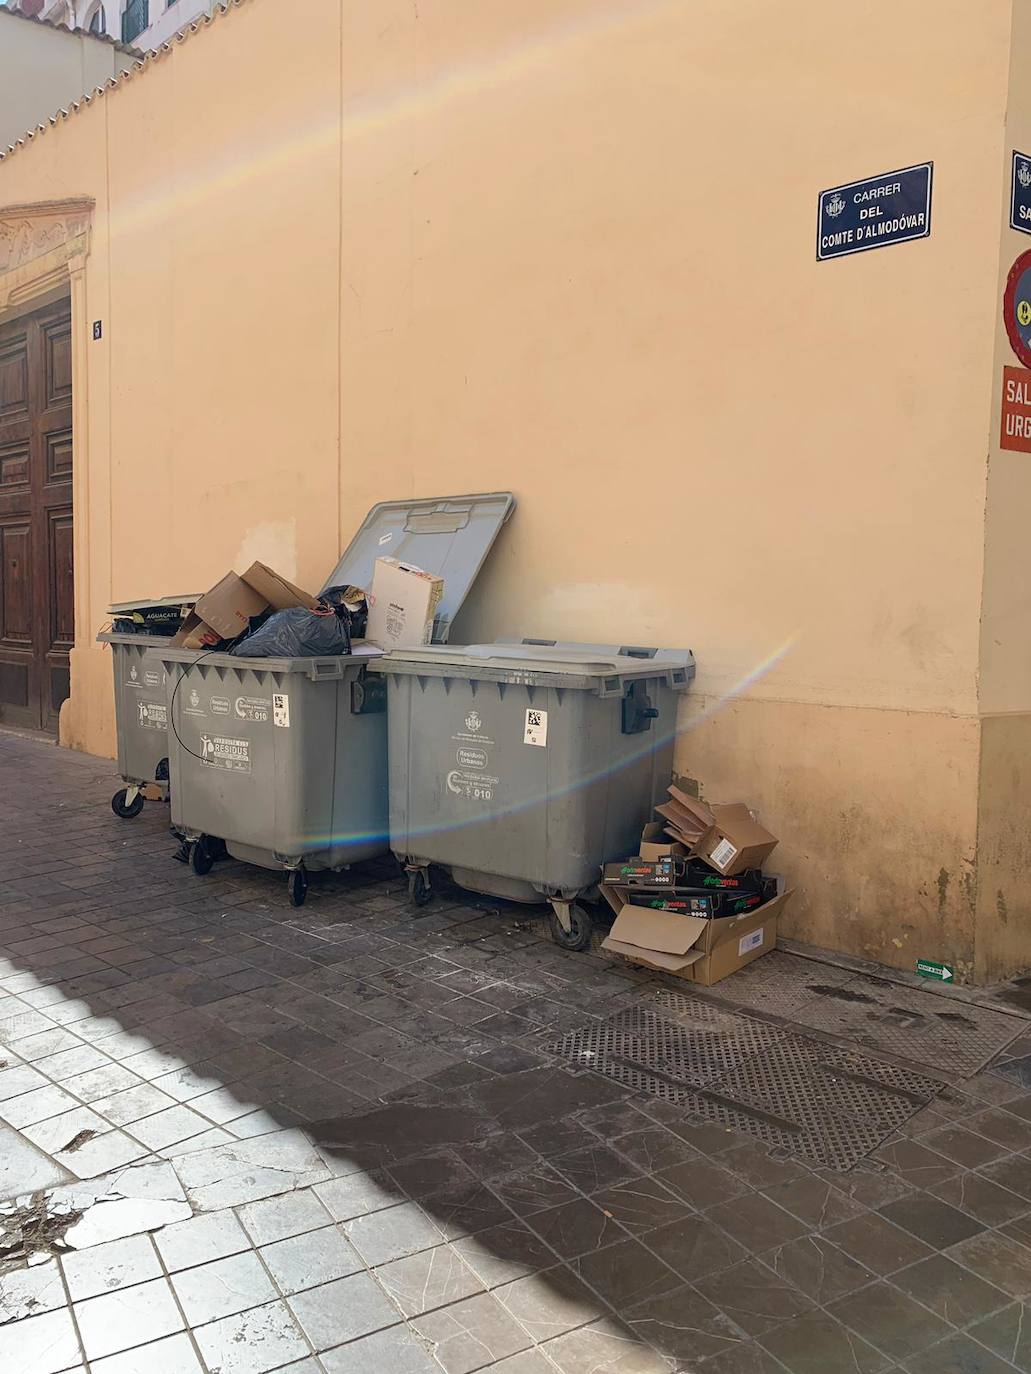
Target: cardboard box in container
[(277, 591), (226, 610), (693, 948), (402, 604)]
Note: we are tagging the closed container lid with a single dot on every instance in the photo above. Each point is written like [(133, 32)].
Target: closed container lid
[(449, 536), (602, 668)]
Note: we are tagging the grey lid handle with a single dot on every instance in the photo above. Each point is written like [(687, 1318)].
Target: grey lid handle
[(624, 650), (325, 668), (437, 522)]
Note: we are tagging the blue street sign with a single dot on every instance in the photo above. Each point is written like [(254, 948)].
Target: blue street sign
[(1020, 193), (891, 208)]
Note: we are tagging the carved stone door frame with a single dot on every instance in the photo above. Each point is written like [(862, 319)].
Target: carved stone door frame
[(43, 251)]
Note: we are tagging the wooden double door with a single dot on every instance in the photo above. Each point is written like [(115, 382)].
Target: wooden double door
[(37, 624)]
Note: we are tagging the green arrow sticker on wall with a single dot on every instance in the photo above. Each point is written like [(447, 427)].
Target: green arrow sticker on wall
[(943, 972)]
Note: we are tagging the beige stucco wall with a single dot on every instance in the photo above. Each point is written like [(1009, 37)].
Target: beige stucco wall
[(44, 69), (1004, 831), (570, 250)]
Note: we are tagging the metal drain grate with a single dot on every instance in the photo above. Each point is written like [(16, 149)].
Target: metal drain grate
[(825, 1104)]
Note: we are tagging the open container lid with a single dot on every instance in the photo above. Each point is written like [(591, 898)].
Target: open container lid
[(603, 668), (449, 536), (148, 603)]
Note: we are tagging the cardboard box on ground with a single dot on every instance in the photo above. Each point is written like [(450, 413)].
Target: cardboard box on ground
[(727, 837), (718, 941)]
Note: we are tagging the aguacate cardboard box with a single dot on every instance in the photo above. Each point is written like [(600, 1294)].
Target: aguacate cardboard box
[(695, 949)]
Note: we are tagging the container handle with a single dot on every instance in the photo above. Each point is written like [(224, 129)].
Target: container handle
[(325, 668), (437, 522), (636, 651)]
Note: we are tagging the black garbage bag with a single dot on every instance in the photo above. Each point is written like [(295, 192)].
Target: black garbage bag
[(351, 605), (297, 633)]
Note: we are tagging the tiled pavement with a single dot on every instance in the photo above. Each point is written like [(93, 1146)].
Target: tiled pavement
[(239, 1137)]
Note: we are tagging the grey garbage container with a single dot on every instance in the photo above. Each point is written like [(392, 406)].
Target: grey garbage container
[(523, 767), (284, 760), (140, 717)]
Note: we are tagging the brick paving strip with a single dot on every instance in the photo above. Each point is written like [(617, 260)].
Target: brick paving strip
[(239, 1137)]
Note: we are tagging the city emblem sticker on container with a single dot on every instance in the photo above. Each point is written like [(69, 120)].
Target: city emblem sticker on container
[(133, 680), (252, 708), (193, 706), (1020, 193), (152, 716), (536, 729), (473, 731), (1016, 307), (875, 212), (233, 755), (281, 709)]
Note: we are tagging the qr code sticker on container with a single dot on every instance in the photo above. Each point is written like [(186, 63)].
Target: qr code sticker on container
[(749, 942), (723, 854), (536, 731), (281, 709)]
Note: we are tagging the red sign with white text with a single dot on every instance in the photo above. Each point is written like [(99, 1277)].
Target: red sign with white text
[(1016, 409)]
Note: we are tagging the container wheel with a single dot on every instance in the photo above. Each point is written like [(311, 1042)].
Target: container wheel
[(419, 890), (297, 885), (201, 858), (129, 810), (578, 936)]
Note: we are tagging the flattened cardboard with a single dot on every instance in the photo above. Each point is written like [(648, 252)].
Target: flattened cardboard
[(665, 963), (277, 591), (681, 822), (693, 806), (700, 951), (655, 845), (658, 931)]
